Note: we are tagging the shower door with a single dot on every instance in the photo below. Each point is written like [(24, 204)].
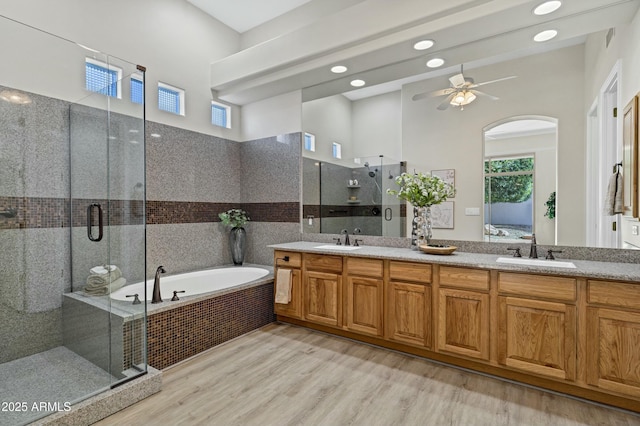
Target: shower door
[(107, 186)]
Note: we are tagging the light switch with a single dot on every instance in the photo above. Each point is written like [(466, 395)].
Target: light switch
[(634, 230), (472, 211)]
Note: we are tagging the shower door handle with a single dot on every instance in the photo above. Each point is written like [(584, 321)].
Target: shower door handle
[(90, 210)]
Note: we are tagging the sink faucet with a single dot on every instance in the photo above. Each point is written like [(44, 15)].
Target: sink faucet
[(346, 237), (156, 285), (533, 252)]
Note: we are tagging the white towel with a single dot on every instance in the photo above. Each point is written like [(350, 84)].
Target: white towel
[(614, 202), (283, 286), (101, 270), (103, 290), (97, 280)]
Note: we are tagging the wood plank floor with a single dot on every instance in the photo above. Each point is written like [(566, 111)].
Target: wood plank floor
[(287, 375)]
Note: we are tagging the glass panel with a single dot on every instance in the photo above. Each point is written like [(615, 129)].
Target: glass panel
[(61, 346)]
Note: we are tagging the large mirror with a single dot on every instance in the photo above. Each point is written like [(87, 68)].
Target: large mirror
[(563, 90)]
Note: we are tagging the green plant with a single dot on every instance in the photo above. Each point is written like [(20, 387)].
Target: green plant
[(551, 206), (510, 188), (422, 189), (235, 218)]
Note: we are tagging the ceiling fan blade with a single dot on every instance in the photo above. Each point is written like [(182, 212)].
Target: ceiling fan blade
[(493, 81), (457, 80), (484, 95), (442, 92), (445, 104)]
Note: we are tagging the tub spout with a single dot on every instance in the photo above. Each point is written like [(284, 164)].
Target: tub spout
[(156, 285)]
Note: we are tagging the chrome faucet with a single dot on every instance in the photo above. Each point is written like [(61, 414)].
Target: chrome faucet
[(346, 237), (533, 252), (156, 285)]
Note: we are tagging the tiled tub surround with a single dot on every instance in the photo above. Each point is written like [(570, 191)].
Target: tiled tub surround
[(176, 330)]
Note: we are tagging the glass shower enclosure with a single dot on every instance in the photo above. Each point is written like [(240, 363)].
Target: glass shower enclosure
[(72, 222)]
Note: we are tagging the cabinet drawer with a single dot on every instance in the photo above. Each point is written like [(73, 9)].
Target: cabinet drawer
[(405, 271), (295, 259), (474, 279), (558, 288), (321, 262), (614, 294), (366, 267)]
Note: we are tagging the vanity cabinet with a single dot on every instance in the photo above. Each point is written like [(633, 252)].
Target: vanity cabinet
[(322, 289), (463, 312), (364, 291), (292, 261), (537, 336), (408, 307), (613, 337)]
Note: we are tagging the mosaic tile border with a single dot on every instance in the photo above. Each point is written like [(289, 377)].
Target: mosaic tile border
[(34, 212), (177, 334)]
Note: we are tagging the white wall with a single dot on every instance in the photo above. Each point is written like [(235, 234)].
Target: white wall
[(274, 116), (549, 84), (377, 126), (329, 119), (599, 61), (173, 39)]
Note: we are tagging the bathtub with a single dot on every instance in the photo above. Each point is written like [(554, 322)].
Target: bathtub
[(193, 283)]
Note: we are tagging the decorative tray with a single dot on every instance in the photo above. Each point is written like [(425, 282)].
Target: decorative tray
[(437, 249)]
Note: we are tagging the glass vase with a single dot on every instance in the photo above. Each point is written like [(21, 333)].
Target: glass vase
[(237, 243), (426, 224)]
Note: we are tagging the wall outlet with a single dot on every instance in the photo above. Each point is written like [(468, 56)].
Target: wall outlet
[(634, 229), (472, 211)]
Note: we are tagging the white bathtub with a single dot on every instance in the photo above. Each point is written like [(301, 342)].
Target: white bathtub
[(194, 282)]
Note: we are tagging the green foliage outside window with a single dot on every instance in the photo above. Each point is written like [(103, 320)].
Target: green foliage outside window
[(508, 189)]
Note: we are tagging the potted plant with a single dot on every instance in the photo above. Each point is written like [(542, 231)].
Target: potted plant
[(423, 190), (236, 218)]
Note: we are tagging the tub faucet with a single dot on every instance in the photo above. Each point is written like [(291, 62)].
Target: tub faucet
[(156, 285), (533, 252)]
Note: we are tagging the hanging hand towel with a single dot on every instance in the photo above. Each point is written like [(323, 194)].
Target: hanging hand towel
[(283, 286), (613, 202)]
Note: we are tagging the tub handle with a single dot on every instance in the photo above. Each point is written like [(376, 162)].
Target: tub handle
[(136, 300), (175, 295)]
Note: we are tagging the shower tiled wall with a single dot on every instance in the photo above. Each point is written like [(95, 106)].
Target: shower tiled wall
[(191, 177)]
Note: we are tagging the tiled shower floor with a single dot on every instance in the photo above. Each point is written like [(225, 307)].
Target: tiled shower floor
[(52, 378)]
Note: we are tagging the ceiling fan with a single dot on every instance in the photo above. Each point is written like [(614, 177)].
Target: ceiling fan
[(461, 92)]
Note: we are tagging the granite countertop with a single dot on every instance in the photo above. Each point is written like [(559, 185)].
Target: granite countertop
[(584, 268)]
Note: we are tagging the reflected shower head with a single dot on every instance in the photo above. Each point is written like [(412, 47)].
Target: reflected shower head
[(372, 173)]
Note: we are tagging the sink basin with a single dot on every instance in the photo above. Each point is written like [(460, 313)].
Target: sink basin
[(536, 262), (338, 248)]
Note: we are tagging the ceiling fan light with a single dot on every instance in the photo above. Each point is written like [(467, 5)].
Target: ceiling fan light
[(547, 7), (458, 99), (545, 35), (468, 98), (423, 45), (435, 62)]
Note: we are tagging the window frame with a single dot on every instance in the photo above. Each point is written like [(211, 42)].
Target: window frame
[(227, 108), (181, 98), (137, 77), (312, 142), (336, 150), (108, 67)]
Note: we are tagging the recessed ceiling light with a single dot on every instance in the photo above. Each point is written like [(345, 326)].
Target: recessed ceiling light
[(423, 44), (338, 69), (357, 83), (547, 7), (545, 35), (435, 62)]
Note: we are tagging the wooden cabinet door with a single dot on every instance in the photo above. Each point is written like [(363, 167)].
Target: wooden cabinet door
[(613, 350), (463, 323), (537, 337), (364, 305), (293, 308), (323, 298), (408, 314)]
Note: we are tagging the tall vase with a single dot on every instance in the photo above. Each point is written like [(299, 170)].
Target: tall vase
[(426, 224), (237, 243)]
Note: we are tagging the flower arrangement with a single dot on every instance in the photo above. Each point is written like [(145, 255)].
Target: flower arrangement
[(422, 190), (236, 218)]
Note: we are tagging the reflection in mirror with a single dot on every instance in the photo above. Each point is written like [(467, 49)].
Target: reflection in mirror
[(520, 180), (351, 151)]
